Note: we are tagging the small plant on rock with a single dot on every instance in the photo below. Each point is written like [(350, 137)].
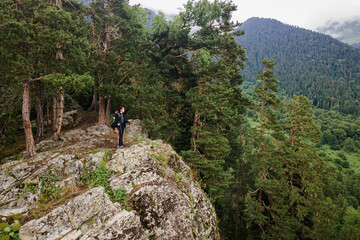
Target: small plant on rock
[(121, 196), (9, 231), (29, 187), (49, 190)]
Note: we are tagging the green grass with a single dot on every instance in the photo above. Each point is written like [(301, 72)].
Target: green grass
[(353, 158), (252, 122)]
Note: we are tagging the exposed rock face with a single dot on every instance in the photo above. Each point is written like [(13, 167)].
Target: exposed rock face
[(71, 119), (89, 216), (164, 202), (135, 129), (166, 198)]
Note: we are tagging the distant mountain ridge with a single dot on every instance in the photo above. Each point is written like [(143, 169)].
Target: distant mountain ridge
[(306, 62), (346, 31)]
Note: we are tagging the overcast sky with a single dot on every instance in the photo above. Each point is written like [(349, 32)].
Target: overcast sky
[(308, 14)]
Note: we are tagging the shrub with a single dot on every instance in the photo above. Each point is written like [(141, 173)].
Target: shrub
[(345, 164), (9, 231), (338, 161), (322, 154), (48, 189), (120, 195), (342, 156)]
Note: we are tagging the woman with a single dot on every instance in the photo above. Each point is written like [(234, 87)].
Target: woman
[(120, 121)]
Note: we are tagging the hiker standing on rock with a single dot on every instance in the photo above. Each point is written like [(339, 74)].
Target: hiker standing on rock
[(120, 122)]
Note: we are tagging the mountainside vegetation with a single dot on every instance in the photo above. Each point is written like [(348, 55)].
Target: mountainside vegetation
[(273, 167), (308, 63)]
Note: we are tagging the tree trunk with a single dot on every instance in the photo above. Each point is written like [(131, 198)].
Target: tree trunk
[(193, 135), (103, 47), (239, 182), (39, 116), (54, 118), (108, 112), (48, 123), (30, 144), (59, 3), (60, 111), (262, 145), (59, 53), (60, 105), (101, 106), (93, 28), (94, 103), (103, 37), (196, 119)]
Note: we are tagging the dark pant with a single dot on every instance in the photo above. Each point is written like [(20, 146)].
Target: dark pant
[(121, 131)]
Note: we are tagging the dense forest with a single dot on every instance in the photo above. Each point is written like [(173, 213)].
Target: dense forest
[(309, 63), (273, 167)]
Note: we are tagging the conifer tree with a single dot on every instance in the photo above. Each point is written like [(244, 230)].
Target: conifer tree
[(31, 34), (267, 208), (118, 33), (307, 180), (215, 99), (265, 93)]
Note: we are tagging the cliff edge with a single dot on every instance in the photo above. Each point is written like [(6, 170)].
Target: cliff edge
[(81, 187)]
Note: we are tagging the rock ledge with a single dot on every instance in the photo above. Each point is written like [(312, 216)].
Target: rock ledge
[(164, 201)]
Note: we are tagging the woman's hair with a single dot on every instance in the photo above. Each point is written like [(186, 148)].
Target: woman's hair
[(121, 107)]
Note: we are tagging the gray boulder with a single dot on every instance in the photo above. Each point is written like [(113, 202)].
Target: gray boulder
[(135, 129), (71, 119), (91, 215)]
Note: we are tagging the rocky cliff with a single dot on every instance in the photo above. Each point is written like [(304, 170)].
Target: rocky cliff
[(81, 187)]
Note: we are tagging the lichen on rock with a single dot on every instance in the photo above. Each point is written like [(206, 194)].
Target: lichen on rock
[(162, 199)]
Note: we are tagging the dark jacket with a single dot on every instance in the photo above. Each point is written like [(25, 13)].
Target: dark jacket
[(118, 120)]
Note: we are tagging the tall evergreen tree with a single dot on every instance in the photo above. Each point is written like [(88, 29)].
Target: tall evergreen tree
[(31, 35), (308, 203), (214, 97)]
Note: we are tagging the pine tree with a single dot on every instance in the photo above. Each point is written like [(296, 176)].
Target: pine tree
[(308, 203), (265, 93), (31, 35), (267, 207), (214, 60)]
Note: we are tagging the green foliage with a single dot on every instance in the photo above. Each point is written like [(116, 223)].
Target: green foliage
[(120, 195), (290, 200), (33, 34), (342, 156), (339, 131), (349, 145), (351, 227), (9, 231), (183, 79), (49, 191), (99, 178), (308, 63), (85, 175), (29, 187)]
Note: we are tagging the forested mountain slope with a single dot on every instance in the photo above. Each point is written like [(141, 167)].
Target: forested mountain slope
[(306, 62), (258, 161)]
